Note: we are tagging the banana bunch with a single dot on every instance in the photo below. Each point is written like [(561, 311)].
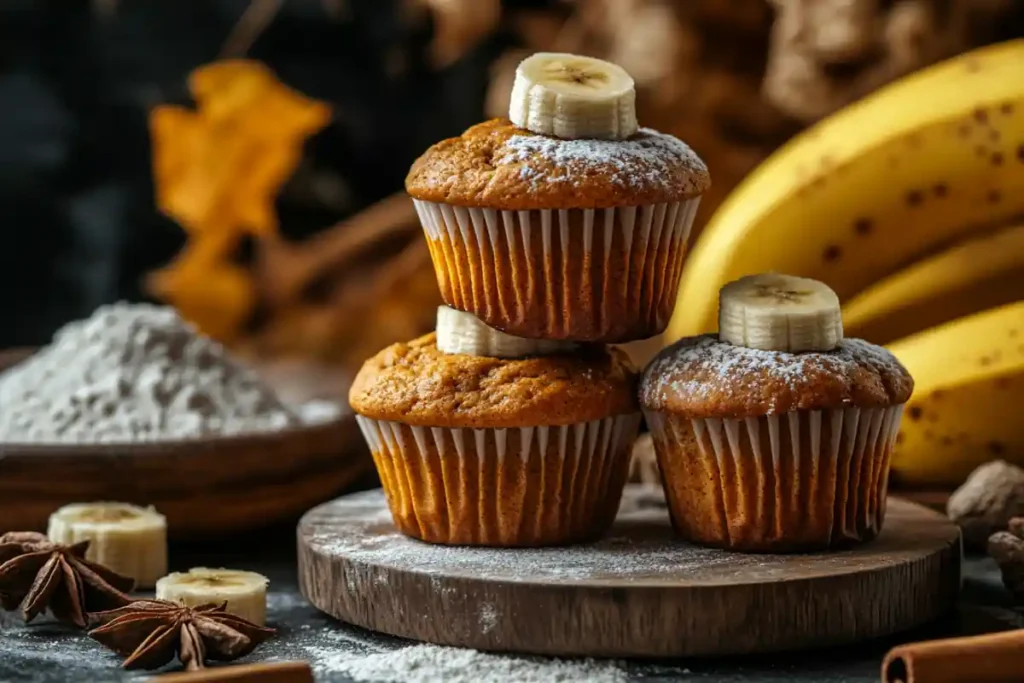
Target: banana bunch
[(967, 403), (909, 205)]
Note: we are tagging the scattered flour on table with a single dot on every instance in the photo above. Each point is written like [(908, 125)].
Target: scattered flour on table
[(431, 663), (138, 372)]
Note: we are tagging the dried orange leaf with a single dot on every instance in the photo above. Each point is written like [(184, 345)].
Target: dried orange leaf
[(215, 295), (218, 171)]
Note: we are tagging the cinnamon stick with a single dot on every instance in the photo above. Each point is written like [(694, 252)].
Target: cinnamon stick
[(990, 658), (267, 672)]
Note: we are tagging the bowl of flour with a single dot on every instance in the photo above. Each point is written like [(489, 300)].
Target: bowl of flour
[(134, 404)]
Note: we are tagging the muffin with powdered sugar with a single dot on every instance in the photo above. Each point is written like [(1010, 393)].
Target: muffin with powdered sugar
[(567, 221), (776, 433)]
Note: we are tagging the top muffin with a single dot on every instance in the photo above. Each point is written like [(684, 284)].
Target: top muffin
[(499, 166)]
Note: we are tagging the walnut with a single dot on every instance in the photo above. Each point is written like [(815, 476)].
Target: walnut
[(986, 502), (1007, 549)]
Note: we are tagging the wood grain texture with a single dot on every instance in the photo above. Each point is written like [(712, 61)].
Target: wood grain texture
[(637, 593), (204, 487)]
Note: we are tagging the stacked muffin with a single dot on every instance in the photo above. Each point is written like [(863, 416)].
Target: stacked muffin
[(552, 234)]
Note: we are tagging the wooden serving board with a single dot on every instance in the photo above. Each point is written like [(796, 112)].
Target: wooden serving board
[(638, 593), (205, 486)]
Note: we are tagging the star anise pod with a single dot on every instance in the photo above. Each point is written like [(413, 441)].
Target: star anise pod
[(36, 574), (150, 632)]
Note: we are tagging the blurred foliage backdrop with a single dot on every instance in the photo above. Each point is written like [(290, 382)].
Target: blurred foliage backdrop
[(79, 79)]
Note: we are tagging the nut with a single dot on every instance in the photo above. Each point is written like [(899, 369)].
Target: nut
[(985, 503)]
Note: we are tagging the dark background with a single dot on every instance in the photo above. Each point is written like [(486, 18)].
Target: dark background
[(78, 226)]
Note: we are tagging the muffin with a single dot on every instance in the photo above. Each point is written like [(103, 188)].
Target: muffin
[(482, 450), (567, 222), (776, 434)]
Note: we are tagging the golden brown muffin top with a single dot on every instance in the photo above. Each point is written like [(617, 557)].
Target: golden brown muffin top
[(415, 384), (703, 377), (498, 166)]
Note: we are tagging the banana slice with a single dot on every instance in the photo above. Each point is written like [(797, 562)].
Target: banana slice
[(778, 312), (570, 96), (245, 592), (459, 332), (129, 539)]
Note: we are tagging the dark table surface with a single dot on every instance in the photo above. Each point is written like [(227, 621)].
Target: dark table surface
[(45, 652)]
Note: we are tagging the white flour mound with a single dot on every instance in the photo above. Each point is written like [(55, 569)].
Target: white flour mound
[(431, 663), (137, 372)]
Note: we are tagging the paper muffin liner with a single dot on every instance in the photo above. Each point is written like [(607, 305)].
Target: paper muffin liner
[(798, 481), (528, 486), (591, 275)]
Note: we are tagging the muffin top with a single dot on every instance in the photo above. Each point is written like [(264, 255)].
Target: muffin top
[(499, 166), (416, 384), (703, 377)]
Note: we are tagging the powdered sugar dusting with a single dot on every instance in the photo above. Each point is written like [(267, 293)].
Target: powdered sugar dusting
[(645, 160), (696, 366), (640, 549)]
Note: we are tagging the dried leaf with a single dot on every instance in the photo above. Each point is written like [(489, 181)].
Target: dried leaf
[(214, 294), (217, 171)]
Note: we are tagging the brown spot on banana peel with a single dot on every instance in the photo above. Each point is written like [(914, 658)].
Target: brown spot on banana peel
[(832, 253), (997, 159), (1006, 108), (940, 190), (914, 413), (915, 197), (863, 226)]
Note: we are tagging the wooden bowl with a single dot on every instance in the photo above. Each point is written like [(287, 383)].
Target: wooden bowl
[(204, 486)]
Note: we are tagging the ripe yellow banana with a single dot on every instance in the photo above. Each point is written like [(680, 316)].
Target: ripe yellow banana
[(966, 406), (976, 275), (923, 163)]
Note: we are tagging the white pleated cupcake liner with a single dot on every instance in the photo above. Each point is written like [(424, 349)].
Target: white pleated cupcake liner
[(527, 486), (597, 275), (749, 484)]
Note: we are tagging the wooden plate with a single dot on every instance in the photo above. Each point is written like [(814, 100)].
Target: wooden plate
[(637, 593), (205, 486)]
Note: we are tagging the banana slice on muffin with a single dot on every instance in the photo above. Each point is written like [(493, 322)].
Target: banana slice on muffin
[(571, 96), (459, 332), (776, 312)]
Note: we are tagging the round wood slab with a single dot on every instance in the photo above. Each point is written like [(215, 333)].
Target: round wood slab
[(204, 486), (638, 593)]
